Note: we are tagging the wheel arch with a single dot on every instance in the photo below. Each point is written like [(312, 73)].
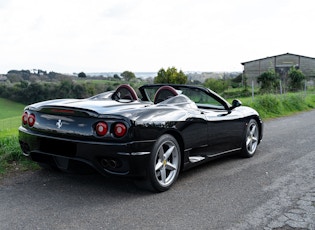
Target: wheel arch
[(259, 123), (180, 142), (260, 126)]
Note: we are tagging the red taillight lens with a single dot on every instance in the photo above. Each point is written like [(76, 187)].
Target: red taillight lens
[(101, 128), (120, 129), (25, 118), (31, 120)]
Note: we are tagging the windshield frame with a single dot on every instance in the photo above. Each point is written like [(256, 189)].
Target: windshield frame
[(203, 97)]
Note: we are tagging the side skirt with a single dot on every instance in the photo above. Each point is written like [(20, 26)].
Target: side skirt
[(197, 160)]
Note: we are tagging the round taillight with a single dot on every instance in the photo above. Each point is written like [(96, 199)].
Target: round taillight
[(101, 128), (120, 129), (25, 118), (31, 120)]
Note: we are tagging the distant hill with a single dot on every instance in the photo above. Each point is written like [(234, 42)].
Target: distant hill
[(192, 76), (202, 76), (143, 75), (34, 75)]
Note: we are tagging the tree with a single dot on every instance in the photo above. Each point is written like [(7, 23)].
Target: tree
[(269, 81), (218, 85), (171, 75), (64, 89), (238, 81), (35, 92), (296, 78), (116, 76), (78, 91), (82, 75), (127, 75)]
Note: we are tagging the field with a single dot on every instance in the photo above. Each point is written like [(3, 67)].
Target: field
[(10, 117), (10, 109), (11, 158)]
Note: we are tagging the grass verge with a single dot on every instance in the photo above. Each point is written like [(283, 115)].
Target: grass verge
[(11, 158), (272, 106)]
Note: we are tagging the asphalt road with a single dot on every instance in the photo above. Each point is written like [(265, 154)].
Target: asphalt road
[(273, 190)]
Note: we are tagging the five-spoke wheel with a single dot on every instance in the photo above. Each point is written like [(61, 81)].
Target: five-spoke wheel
[(164, 163), (251, 139)]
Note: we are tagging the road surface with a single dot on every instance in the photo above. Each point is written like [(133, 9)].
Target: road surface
[(273, 190)]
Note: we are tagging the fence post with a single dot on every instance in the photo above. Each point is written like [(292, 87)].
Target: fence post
[(252, 90)]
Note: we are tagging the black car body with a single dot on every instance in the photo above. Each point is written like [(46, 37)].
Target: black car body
[(168, 129)]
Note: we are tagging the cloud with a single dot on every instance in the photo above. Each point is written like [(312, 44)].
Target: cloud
[(145, 35)]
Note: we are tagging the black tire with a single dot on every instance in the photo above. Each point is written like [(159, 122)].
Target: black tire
[(251, 139), (165, 162)]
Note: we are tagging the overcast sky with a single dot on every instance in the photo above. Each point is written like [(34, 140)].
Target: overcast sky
[(145, 35)]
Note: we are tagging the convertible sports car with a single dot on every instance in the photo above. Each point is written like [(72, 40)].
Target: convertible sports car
[(168, 129)]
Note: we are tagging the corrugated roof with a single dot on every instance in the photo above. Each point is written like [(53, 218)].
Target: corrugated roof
[(276, 56)]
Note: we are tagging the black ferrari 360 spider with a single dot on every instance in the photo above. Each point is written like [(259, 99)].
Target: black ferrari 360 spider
[(151, 134)]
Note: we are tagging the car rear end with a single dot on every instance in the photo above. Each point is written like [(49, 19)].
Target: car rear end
[(63, 136)]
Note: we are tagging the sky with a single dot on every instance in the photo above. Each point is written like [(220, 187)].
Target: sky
[(70, 36)]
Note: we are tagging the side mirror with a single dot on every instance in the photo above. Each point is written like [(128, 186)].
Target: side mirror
[(236, 103)]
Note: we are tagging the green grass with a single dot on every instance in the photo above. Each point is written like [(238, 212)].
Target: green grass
[(272, 106), (11, 157), (10, 116), (8, 125), (9, 109)]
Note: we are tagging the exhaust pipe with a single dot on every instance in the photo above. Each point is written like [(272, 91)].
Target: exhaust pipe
[(109, 163), (112, 163), (104, 163), (25, 149)]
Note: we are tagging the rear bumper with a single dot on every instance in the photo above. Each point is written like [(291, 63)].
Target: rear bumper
[(123, 159)]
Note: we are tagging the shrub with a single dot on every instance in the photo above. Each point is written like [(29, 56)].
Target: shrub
[(269, 103), (269, 81), (296, 78), (217, 85), (236, 93)]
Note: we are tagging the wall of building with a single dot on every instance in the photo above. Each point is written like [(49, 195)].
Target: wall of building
[(307, 66), (255, 68)]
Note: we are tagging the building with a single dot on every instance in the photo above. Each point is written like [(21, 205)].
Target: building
[(281, 64), (3, 78)]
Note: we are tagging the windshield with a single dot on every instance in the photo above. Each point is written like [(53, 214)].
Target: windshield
[(202, 97)]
